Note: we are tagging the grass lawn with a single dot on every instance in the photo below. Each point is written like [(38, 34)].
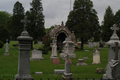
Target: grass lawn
[(9, 64)]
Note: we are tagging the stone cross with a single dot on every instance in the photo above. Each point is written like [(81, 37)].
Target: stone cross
[(115, 28), (25, 21), (116, 48)]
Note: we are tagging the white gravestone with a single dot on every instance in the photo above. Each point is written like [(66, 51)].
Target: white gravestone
[(36, 55), (96, 57), (6, 49), (54, 50)]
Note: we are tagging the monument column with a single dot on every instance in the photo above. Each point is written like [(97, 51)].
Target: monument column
[(24, 55)]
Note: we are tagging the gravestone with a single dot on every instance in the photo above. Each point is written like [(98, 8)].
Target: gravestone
[(6, 48), (96, 57), (79, 44), (58, 71), (54, 50), (24, 54), (67, 75), (69, 49), (36, 55), (81, 62), (91, 45), (111, 54)]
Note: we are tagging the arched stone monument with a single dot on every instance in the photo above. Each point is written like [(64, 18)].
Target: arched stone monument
[(60, 33)]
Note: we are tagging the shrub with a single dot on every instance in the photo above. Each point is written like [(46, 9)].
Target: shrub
[(1, 44)]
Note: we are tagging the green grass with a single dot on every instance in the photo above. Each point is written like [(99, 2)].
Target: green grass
[(9, 64)]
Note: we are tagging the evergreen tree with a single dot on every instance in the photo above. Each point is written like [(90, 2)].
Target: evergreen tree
[(107, 23), (83, 20), (117, 21), (4, 32), (36, 27), (18, 15)]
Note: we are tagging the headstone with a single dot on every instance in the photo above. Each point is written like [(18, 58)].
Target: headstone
[(85, 58), (68, 47), (111, 54), (67, 75), (38, 73), (100, 70), (91, 45), (79, 44), (81, 62), (96, 57), (24, 55), (6, 48), (56, 61), (36, 55), (54, 50), (58, 71)]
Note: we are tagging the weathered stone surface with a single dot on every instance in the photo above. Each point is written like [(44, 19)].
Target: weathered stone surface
[(91, 45), (36, 55), (56, 61), (6, 48), (100, 70), (38, 73), (81, 62), (24, 55), (58, 71), (96, 57)]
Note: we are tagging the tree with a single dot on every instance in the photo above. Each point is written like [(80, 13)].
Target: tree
[(107, 23), (4, 32), (83, 20), (18, 15), (36, 27), (117, 21)]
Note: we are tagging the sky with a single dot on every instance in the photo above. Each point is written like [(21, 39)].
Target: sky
[(56, 11)]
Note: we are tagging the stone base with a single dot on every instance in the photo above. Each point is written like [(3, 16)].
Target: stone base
[(67, 76), (72, 55), (6, 54), (81, 64), (58, 71), (36, 59), (69, 61), (56, 61), (53, 57), (23, 77), (96, 63), (38, 73)]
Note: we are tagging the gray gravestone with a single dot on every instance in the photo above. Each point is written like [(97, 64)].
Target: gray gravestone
[(24, 55), (6, 48), (81, 62), (68, 42), (36, 55), (59, 71), (67, 74), (91, 45), (96, 57), (111, 54)]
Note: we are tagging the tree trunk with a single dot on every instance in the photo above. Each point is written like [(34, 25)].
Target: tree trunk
[(82, 44)]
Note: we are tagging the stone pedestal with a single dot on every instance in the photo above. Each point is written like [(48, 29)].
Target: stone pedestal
[(24, 57), (56, 61), (81, 62)]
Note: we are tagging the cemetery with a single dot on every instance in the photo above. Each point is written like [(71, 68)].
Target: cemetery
[(76, 50)]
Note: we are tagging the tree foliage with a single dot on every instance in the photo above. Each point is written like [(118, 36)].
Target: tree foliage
[(36, 27), (4, 32), (83, 20), (117, 21), (107, 23), (18, 15)]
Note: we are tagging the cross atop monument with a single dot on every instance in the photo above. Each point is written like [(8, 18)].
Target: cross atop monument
[(25, 21), (114, 28)]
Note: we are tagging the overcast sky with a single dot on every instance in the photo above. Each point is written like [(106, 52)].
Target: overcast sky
[(56, 11)]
